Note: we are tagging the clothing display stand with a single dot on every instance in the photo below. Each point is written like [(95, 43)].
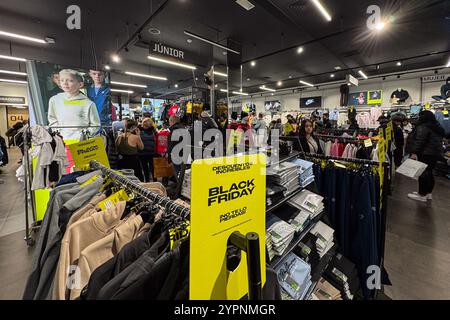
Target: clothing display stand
[(248, 243)]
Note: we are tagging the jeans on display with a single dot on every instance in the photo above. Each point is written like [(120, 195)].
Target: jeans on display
[(426, 180), (147, 167), (330, 193), (342, 206)]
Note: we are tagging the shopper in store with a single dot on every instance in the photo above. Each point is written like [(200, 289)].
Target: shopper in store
[(425, 145), (399, 141), (146, 155), (128, 145), (326, 123), (288, 128), (260, 130), (309, 142), (175, 124)]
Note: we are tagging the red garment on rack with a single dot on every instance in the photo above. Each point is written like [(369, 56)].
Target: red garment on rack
[(173, 110), (162, 141), (341, 148)]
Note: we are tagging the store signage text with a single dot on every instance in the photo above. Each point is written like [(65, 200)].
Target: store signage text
[(435, 78), (352, 80), (167, 51), (73, 21), (236, 191), (12, 100), (374, 20)]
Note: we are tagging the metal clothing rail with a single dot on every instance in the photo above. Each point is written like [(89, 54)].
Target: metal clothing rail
[(354, 160), (342, 138), (164, 202)]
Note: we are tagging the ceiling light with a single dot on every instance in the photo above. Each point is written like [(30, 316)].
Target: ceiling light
[(223, 90), (107, 67), (189, 40), (380, 26), (196, 78), (216, 86), (217, 73), (12, 58), (247, 5), (13, 81), (18, 36), (448, 64), (349, 84), (124, 91), (13, 72), (272, 94), (279, 83), (290, 77), (332, 75), (115, 58), (176, 85), (253, 63), (178, 64), (300, 50), (129, 84), (147, 94), (240, 93), (267, 89), (399, 64), (322, 9), (224, 53), (145, 75), (154, 31), (210, 42), (248, 79), (363, 74), (306, 83)]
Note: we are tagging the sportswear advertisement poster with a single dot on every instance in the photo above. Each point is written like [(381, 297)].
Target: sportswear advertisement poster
[(366, 98), (66, 97), (272, 105), (312, 102)]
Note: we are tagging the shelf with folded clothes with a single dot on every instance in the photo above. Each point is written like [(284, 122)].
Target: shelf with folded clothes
[(297, 239), (320, 269)]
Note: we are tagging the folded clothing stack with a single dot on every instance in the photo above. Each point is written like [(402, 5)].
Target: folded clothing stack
[(297, 218), (305, 172), (307, 250), (281, 234), (308, 201), (326, 291), (325, 236), (274, 193), (269, 246), (186, 187), (286, 175), (342, 273), (294, 277)]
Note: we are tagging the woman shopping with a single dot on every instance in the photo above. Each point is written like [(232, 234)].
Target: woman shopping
[(146, 155), (309, 143), (128, 146), (425, 145)]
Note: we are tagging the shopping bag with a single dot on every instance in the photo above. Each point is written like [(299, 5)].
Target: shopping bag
[(412, 168), (162, 168)]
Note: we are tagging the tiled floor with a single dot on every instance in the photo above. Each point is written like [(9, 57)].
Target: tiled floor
[(417, 240)]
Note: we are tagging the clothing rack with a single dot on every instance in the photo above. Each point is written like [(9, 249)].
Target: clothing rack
[(359, 161), (248, 243), (353, 139)]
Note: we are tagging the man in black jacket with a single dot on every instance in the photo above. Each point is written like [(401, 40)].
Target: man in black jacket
[(174, 122), (425, 145)]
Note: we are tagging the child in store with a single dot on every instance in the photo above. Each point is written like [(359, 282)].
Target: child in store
[(72, 108)]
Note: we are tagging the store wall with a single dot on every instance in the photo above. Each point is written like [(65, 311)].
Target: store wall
[(13, 90), (331, 95)]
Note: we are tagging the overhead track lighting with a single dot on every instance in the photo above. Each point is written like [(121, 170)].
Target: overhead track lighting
[(12, 58), (223, 90), (209, 41), (13, 81), (21, 37), (129, 84), (399, 64), (145, 75), (178, 64), (267, 89), (107, 67), (240, 93), (322, 9), (279, 83), (363, 74), (306, 83), (300, 50), (332, 75), (217, 73), (253, 63), (124, 91), (13, 72)]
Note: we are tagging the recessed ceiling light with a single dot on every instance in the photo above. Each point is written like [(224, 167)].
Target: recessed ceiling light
[(21, 37), (196, 79), (13, 73), (248, 79), (128, 84), (272, 94), (171, 62), (253, 63), (189, 40), (176, 85), (279, 83), (300, 50), (332, 75), (322, 9), (115, 58), (12, 58), (107, 67), (224, 53), (154, 31), (147, 94), (216, 86), (337, 68), (380, 26), (142, 75), (290, 77), (399, 64)]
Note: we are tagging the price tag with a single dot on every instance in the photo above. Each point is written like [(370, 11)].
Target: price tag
[(368, 143)]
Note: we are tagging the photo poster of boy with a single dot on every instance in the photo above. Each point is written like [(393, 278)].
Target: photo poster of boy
[(358, 99), (74, 98)]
